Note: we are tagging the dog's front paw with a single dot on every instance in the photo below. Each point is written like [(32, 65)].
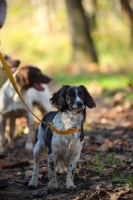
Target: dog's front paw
[(52, 190), (31, 187), (33, 183), (70, 188)]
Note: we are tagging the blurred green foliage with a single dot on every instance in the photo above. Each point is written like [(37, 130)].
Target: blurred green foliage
[(38, 34), (106, 81)]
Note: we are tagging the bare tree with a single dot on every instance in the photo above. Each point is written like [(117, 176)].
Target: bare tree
[(127, 7), (80, 32)]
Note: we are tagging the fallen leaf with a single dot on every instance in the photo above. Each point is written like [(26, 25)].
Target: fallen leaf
[(105, 146), (78, 198), (28, 173), (117, 98), (16, 165), (103, 121), (116, 195), (121, 157), (90, 148), (95, 178), (18, 181), (117, 132), (40, 176), (108, 171), (84, 177)]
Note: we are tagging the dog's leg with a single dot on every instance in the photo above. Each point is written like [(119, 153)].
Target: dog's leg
[(70, 173), (12, 128), (31, 135), (38, 150), (52, 185), (2, 133)]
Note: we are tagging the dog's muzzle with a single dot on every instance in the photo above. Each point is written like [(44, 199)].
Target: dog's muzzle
[(78, 105)]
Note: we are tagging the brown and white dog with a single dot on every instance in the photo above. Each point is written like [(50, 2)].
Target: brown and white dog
[(12, 107), (12, 64), (71, 102)]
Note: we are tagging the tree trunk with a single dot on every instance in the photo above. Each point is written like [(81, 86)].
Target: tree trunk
[(80, 33), (129, 11), (94, 13), (3, 7)]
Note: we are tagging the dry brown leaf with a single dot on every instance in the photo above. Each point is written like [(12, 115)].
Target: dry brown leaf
[(117, 132), (103, 121), (28, 173), (105, 146), (108, 171), (84, 177), (95, 178), (40, 176), (92, 67), (117, 98), (79, 198), (116, 195), (98, 187), (9, 175), (73, 69), (17, 180), (18, 164), (102, 186), (121, 157), (90, 148)]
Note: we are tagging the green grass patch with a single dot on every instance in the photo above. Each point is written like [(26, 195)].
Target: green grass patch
[(129, 180), (106, 81)]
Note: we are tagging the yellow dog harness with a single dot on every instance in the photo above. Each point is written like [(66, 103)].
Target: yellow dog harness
[(64, 132)]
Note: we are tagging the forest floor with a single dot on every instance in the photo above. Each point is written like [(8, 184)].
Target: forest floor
[(105, 168)]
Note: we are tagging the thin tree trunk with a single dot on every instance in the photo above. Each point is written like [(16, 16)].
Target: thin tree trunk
[(80, 33), (94, 13), (3, 7), (129, 11)]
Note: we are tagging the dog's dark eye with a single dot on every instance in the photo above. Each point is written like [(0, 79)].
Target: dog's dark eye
[(81, 95), (6, 57)]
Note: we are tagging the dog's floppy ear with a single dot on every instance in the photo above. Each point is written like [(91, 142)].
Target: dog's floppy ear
[(22, 78), (89, 102), (59, 98)]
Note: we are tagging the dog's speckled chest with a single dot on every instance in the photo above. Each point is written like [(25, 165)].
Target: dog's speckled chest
[(66, 145)]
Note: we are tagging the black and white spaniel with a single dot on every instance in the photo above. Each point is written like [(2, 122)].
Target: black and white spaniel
[(71, 102)]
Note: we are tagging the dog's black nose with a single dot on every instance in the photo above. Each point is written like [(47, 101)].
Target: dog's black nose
[(16, 63), (79, 103)]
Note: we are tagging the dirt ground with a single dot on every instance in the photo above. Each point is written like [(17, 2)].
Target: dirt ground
[(105, 168)]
